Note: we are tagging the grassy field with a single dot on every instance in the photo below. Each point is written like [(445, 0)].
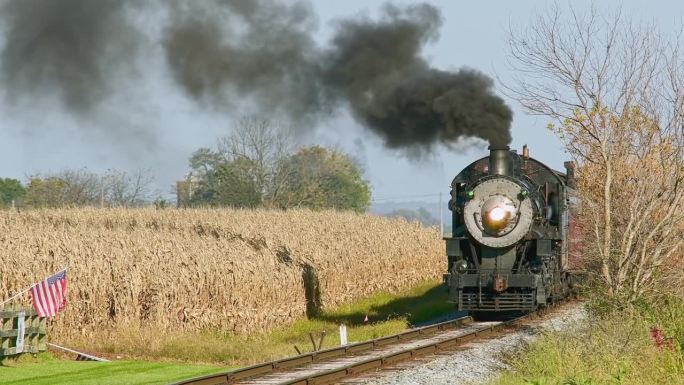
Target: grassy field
[(216, 352), (46, 370), (387, 314)]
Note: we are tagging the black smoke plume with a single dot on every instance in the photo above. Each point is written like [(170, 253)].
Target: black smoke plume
[(264, 50), (73, 47), (259, 53), (376, 67), (223, 52)]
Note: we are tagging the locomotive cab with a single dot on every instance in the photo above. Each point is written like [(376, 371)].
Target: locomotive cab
[(510, 217)]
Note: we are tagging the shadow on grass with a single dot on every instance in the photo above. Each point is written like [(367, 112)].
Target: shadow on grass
[(417, 309)]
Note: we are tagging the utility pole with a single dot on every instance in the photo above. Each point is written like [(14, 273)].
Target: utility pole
[(441, 216)]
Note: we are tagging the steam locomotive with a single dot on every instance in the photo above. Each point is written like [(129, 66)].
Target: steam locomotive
[(512, 225)]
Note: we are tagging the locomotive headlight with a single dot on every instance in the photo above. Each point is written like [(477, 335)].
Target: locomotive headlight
[(496, 219), (497, 214)]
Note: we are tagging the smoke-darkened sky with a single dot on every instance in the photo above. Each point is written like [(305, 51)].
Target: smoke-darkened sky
[(231, 54), (222, 52), (67, 48), (126, 84)]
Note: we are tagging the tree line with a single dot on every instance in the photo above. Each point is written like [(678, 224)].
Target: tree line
[(72, 188), (257, 166)]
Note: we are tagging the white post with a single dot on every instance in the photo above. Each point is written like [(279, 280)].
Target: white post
[(343, 335), (21, 329)]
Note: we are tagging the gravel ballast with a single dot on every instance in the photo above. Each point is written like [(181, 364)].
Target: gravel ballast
[(481, 361)]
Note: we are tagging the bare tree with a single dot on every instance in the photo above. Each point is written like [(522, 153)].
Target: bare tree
[(120, 188), (264, 144), (614, 88), (80, 187), (66, 188), (84, 188)]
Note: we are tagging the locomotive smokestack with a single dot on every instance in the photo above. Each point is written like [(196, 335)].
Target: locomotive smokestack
[(500, 160)]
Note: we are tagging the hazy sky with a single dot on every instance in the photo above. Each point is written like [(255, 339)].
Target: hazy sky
[(150, 124)]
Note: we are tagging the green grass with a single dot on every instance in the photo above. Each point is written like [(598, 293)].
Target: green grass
[(615, 349), (387, 313), (48, 371)]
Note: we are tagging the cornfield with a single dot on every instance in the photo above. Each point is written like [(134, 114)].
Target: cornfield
[(238, 271)]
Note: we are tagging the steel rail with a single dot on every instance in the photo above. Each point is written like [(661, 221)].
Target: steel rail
[(305, 359), (419, 338), (334, 375)]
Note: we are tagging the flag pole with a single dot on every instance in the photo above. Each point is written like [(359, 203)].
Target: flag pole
[(94, 358), (16, 295), (27, 290)]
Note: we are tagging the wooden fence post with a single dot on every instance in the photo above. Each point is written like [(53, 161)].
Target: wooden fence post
[(34, 337)]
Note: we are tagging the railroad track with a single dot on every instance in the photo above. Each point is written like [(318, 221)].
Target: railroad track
[(344, 362)]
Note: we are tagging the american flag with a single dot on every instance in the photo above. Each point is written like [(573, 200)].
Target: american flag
[(49, 296)]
